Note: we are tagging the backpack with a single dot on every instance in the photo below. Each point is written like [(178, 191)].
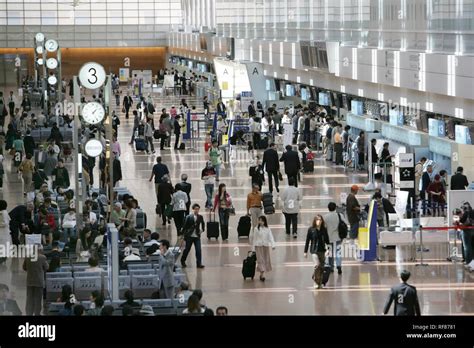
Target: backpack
[(329, 133)]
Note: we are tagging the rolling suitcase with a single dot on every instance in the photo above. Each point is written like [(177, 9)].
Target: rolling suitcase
[(140, 144), (268, 207), (243, 228), (249, 265), (182, 146), (308, 167), (326, 274), (212, 227)]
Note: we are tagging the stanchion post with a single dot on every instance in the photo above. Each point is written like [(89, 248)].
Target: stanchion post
[(421, 248)]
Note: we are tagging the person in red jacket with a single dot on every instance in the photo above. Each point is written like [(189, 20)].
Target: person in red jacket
[(47, 225)]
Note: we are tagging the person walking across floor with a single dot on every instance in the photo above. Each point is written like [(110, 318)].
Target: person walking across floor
[(35, 275), (292, 198), (193, 227), (149, 136), (405, 298), (136, 126), (332, 220), (254, 205), (179, 202), (292, 163), (271, 166), (215, 155), (316, 240), (353, 211), (158, 172), (262, 242), (418, 174), (223, 204), (208, 174), (186, 187), (27, 169), (165, 194), (467, 219), (165, 272), (178, 124), (127, 104), (425, 197)]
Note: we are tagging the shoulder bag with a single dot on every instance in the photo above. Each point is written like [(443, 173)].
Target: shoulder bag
[(342, 228)]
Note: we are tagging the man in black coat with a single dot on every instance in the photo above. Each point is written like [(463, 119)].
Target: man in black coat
[(405, 298), (292, 163), (459, 180), (20, 221), (127, 103), (272, 166), (29, 143)]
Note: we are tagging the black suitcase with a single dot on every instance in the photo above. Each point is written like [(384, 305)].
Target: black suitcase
[(212, 228), (243, 228), (249, 265), (267, 199), (269, 209), (308, 166), (182, 146)]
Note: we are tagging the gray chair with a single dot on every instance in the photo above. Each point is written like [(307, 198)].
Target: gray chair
[(55, 307), (179, 277), (161, 306), (140, 266), (142, 272), (83, 286), (65, 269), (124, 285), (144, 286), (123, 272), (88, 274), (50, 275), (54, 287)]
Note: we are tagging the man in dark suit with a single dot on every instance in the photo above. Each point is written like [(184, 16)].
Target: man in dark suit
[(405, 298), (20, 221), (425, 182), (459, 180), (185, 186), (7, 306), (292, 163), (193, 227), (127, 103), (271, 165), (54, 257), (165, 272)]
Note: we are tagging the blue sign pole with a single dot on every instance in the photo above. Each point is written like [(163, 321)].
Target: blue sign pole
[(187, 134), (371, 254)]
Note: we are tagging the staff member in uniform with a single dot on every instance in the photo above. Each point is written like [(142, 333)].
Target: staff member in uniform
[(405, 297)]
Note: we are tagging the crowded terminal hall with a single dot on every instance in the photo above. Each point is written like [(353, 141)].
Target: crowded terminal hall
[(236, 158)]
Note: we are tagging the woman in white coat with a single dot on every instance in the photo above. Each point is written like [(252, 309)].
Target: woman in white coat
[(262, 241)]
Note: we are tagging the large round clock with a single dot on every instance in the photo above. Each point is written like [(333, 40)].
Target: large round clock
[(92, 75), (93, 148), (93, 113)]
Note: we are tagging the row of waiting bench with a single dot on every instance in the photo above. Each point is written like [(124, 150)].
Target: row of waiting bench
[(142, 278), (160, 306)]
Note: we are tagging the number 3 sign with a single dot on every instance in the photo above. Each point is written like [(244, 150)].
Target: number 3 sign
[(92, 75)]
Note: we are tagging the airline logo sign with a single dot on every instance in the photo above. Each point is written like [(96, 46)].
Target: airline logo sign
[(406, 160)]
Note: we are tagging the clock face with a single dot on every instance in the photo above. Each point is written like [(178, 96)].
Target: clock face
[(93, 113), (52, 80), (40, 61), (51, 45), (39, 49), (39, 37), (92, 75), (93, 148), (52, 63)]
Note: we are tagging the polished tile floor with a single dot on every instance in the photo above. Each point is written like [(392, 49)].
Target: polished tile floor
[(444, 287)]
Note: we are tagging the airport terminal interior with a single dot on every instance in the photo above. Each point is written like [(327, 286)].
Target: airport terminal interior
[(327, 144)]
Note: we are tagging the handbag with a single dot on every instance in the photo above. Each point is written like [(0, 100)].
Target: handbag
[(168, 210), (231, 210), (280, 176), (123, 109), (342, 228)]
